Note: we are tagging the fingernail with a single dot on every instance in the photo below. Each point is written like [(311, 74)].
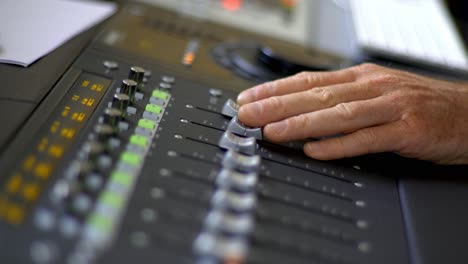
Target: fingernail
[(244, 97), (276, 128), (313, 150)]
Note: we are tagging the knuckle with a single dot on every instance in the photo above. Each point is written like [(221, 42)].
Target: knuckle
[(276, 104), (299, 123), (367, 67), (385, 79), (310, 79), (324, 96), (346, 111)]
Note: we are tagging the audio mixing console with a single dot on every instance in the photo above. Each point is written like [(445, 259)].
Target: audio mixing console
[(136, 155)]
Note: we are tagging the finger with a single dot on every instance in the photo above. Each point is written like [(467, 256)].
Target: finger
[(296, 83), (382, 138), (277, 108), (342, 118)]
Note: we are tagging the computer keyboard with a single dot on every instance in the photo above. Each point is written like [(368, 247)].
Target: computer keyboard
[(416, 31)]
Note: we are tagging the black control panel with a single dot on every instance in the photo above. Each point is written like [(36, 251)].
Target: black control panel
[(137, 155)]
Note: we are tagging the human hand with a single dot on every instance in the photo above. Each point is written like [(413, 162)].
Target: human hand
[(371, 109)]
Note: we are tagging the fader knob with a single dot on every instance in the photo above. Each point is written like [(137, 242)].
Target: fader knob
[(112, 117), (92, 149), (120, 101), (103, 132), (129, 88), (137, 74)]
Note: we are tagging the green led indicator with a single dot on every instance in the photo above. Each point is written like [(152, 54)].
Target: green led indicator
[(101, 222), (130, 158), (139, 140), (153, 108), (160, 94), (121, 178), (146, 123), (111, 199)]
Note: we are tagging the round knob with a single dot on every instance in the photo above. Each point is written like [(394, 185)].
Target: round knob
[(283, 64), (137, 74), (112, 117), (103, 132), (120, 101), (91, 150), (129, 88)]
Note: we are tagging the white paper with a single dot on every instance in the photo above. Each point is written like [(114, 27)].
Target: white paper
[(29, 29)]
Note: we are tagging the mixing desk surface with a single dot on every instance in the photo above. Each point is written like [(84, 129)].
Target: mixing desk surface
[(135, 154)]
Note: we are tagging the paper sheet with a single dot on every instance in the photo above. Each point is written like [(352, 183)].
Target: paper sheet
[(29, 29)]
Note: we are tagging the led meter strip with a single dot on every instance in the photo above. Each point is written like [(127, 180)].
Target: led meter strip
[(103, 222)]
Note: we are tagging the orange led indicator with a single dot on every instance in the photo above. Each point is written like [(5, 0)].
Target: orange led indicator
[(28, 163), (97, 87), (56, 151), (232, 5), (189, 58), (54, 127), (14, 184), (43, 144), (14, 213), (68, 133), (87, 101), (31, 191), (43, 170), (85, 83), (78, 116), (65, 111), (3, 206)]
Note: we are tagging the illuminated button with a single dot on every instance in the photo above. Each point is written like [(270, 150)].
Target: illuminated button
[(131, 110), (101, 222), (31, 191), (111, 65), (139, 140), (215, 92), (122, 178), (43, 170), (111, 199), (164, 85), (160, 94), (168, 79), (14, 184), (130, 158), (94, 182), (143, 132), (146, 123), (150, 116), (157, 101), (81, 204), (153, 108), (44, 219), (69, 226), (15, 213), (139, 96)]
